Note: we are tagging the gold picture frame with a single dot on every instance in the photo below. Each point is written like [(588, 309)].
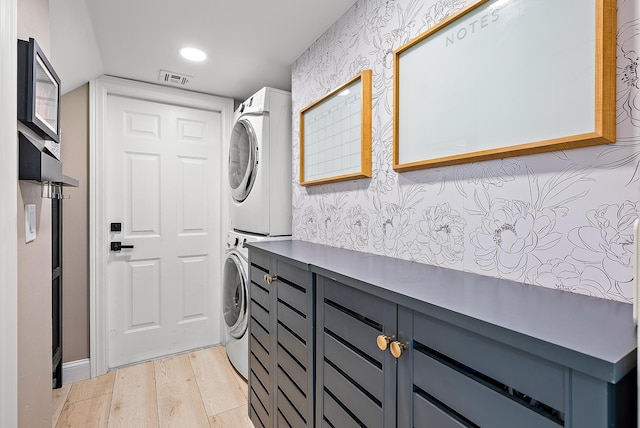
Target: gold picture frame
[(455, 101), (335, 134)]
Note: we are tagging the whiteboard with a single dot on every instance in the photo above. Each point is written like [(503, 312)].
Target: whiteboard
[(335, 134), (505, 78)]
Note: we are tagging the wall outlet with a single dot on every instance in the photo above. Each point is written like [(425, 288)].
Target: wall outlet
[(30, 222)]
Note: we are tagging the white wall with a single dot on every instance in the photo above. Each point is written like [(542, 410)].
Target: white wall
[(74, 48), (8, 218), (561, 220)]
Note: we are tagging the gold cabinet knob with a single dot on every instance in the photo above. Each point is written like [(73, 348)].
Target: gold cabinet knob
[(397, 348), (269, 278), (383, 341)]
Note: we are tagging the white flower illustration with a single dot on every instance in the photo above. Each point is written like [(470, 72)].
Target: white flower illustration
[(439, 11), (384, 45), (510, 232), (626, 151), (412, 250), (357, 65), (356, 228), (564, 275), (608, 240), (383, 177), (627, 58), (392, 223), (380, 16), (307, 224), (330, 225), (441, 230), (491, 173)]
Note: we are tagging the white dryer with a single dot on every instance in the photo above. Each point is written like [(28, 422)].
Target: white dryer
[(260, 164), (235, 297)]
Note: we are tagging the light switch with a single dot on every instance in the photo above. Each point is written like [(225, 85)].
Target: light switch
[(30, 222)]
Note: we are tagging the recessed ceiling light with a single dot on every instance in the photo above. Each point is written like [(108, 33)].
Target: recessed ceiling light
[(193, 54)]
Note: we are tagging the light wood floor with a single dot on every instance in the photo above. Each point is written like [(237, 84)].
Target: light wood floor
[(199, 389)]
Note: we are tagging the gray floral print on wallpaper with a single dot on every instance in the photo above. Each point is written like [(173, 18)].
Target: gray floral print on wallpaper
[(562, 220)]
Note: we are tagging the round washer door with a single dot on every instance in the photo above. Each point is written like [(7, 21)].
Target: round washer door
[(234, 295), (243, 159)]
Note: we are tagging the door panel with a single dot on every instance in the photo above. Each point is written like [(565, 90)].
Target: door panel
[(192, 180), (192, 131), (143, 295), (138, 124), (161, 184), (142, 194), (193, 282), (353, 374)]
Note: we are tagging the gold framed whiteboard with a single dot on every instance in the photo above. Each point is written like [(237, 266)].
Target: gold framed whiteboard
[(335, 134), (506, 78)]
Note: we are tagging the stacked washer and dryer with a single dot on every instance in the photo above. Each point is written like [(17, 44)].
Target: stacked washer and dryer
[(260, 203)]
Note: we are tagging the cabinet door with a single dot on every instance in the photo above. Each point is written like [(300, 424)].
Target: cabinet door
[(451, 377), (356, 381), (261, 350), (281, 352), (293, 340)]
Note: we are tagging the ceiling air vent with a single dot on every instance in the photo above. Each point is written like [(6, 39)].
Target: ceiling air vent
[(174, 78)]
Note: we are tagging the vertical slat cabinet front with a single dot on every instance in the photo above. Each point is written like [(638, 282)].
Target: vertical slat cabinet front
[(260, 349), (293, 343), (355, 380)]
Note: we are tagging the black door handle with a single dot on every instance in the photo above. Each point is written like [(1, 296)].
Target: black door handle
[(117, 246)]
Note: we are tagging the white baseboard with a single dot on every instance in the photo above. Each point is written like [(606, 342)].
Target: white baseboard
[(76, 370)]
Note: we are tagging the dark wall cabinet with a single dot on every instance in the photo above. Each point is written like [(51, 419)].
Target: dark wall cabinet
[(384, 361), (280, 344)]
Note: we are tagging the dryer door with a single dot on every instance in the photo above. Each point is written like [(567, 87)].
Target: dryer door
[(234, 295), (243, 159)]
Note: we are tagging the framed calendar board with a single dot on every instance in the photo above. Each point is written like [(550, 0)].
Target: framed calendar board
[(335, 134), (506, 78)]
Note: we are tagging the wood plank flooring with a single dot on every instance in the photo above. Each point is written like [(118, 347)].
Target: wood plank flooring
[(199, 389)]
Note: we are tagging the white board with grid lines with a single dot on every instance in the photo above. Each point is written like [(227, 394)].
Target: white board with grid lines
[(332, 135)]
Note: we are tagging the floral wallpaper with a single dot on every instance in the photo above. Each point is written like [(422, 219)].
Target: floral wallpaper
[(562, 220)]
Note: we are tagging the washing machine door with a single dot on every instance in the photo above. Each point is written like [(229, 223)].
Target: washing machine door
[(243, 159), (234, 295)]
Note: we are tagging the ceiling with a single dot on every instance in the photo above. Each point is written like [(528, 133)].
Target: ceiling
[(249, 43)]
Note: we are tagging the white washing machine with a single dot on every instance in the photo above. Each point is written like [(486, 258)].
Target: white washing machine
[(260, 164), (235, 297)]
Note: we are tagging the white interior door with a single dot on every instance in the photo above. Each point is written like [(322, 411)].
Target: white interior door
[(161, 182)]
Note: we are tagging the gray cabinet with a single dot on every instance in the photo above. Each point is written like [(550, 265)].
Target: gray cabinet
[(356, 381), (358, 384), (476, 351), (445, 376), (280, 344)]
